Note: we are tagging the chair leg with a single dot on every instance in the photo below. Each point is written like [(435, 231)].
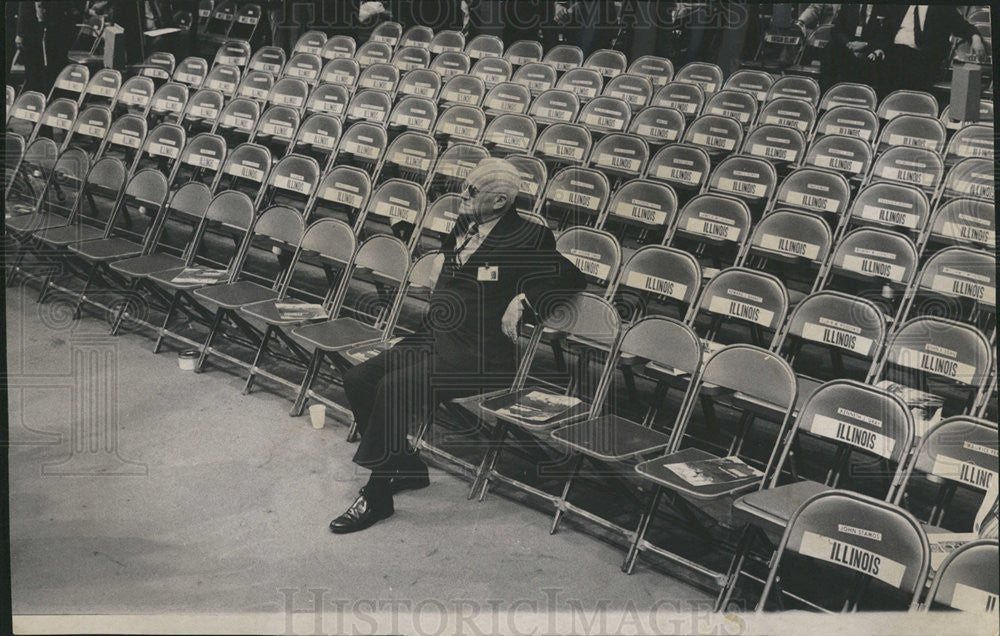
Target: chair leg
[(256, 360), (166, 320), (640, 532), (489, 462), (560, 505), (307, 380), (91, 272), (132, 287), (216, 327), (735, 567)]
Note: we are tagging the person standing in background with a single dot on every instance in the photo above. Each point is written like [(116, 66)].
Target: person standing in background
[(29, 42), (858, 29)]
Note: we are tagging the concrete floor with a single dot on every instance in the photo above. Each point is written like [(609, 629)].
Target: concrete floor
[(219, 502)]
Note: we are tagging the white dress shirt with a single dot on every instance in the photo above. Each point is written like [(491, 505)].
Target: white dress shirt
[(906, 36), (473, 244)]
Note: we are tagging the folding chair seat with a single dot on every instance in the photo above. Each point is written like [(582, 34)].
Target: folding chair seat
[(395, 208), (204, 15), (452, 167), (703, 74), (735, 104), (222, 18), (510, 134), (387, 32), (657, 281), (339, 47), (783, 147), (564, 57), (749, 179), (459, 123), (373, 52), (414, 114), (562, 145), (410, 157), (288, 91), (342, 194), (492, 70), (850, 156), (803, 88), (26, 113), (537, 77), (167, 104), (269, 59), (310, 42), (788, 111), (894, 206), (974, 140), (922, 169), (658, 125), (276, 129), (843, 538), (507, 98), (202, 111), (255, 85), (420, 82), (14, 146), (658, 70), (972, 177), (791, 244), (957, 283), (329, 100), (200, 160), (608, 62), (640, 211), (71, 83), (341, 71), (849, 94), (317, 138), (464, 90), (102, 88), (968, 222), (89, 129), (233, 53), (381, 77), (718, 136), (851, 121), (583, 317), (523, 52), (597, 254), (683, 166), (713, 228), (585, 83), (362, 145), (191, 72), (620, 156), (224, 78), (635, 90), (484, 46), (554, 106), (814, 190), (291, 184), (448, 41), (574, 196), (874, 263), (124, 140), (161, 148), (380, 272), (913, 131), (56, 121), (760, 386), (86, 47), (276, 227), (245, 170), (966, 580), (904, 102), (45, 187), (534, 178), (451, 63), (158, 66), (985, 116), (304, 66), (605, 115), (757, 83)]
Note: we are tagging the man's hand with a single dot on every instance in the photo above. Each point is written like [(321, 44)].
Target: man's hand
[(856, 46), (562, 13), (18, 42), (512, 317), (876, 55), (978, 46), (369, 9)]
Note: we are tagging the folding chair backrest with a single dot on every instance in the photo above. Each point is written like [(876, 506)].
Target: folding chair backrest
[(373, 52), (162, 147), (26, 113), (507, 97), (463, 90), (714, 219), (849, 94), (683, 166), (605, 115), (184, 214), (564, 144), (453, 165), (923, 169), (793, 237), (451, 63), (635, 90), (387, 32), (658, 124), (509, 134), (342, 72), (967, 579), (56, 121), (492, 70), (328, 99), (447, 41), (276, 227), (420, 82), (168, 102), (288, 91), (892, 206), (238, 120), (338, 47), (748, 178), (138, 210), (874, 256), (985, 116), (836, 321), (795, 87), (191, 72), (904, 102), (276, 129), (14, 146), (124, 139), (329, 245), (974, 140), (536, 76), (70, 83), (343, 193), (255, 85), (318, 137), (575, 196), (583, 82), (564, 57), (102, 88), (969, 222), (594, 252), (417, 36), (972, 177), (658, 275), (664, 342), (159, 66), (410, 156), (821, 191), (233, 53), (554, 106), (849, 156), (958, 272), (534, 178), (304, 66), (292, 183), (224, 78), (90, 129), (659, 70), (788, 111), (752, 297), (413, 113), (382, 77), (757, 83), (752, 371), (245, 169), (269, 59), (915, 131), (439, 220), (200, 160), (523, 52), (55, 188), (310, 42), (203, 109), (393, 202), (229, 214), (852, 121), (369, 105), (484, 46), (707, 76), (780, 145), (102, 190), (737, 104), (620, 155), (363, 144), (608, 62), (718, 136), (859, 534), (222, 18)]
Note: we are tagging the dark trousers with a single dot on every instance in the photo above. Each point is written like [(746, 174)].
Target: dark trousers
[(839, 64), (906, 68), (400, 386)]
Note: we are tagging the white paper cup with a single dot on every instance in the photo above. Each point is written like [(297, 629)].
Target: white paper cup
[(187, 359), (317, 413)]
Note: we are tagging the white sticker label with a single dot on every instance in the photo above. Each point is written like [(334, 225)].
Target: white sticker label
[(510, 138), (726, 143), (92, 131), (456, 130), (864, 265), (294, 101), (889, 217), (848, 131), (661, 286), (667, 134), (235, 121), (612, 123), (908, 176), (837, 337), (969, 233), (202, 161), (295, 185), (742, 310), (685, 107), (739, 115), (852, 434), (906, 140), (590, 266), (746, 188), (789, 246), (950, 285), (347, 198), (103, 91), (852, 557), (205, 112), (163, 150), (168, 105), (965, 472), (366, 151), (713, 229), (916, 359), (773, 152), (839, 163), (303, 72), (619, 163), (556, 149), (187, 78), (221, 85), (246, 172), (393, 211), (977, 190), (125, 140), (69, 85), (29, 115), (645, 212), (813, 202), (973, 599), (254, 93), (276, 129), (578, 199), (316, 139), (671, 173)]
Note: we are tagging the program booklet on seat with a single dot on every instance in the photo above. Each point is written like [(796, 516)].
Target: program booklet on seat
[(205, 275), (718, 470), (292, 310), (538, 406)]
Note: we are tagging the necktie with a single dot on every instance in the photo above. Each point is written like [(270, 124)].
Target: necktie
[(917, 32), (470, 233)]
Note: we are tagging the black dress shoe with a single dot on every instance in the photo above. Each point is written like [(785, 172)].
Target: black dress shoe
[(362, 514), (413, 477)]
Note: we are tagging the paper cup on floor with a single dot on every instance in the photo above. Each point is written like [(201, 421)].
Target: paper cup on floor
[(186, 359), (317, 413)]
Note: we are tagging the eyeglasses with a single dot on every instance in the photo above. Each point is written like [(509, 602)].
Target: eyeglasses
[(470, 192)]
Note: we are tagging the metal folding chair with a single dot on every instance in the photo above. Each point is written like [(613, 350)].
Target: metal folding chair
[(524, 52), (444, 41), (510, 134), (70, 83), (102, 88), (268, 59), (574, 196), (373, 52), (417, 36), (124, 140), (368, 105), (640, 212), (484, 46), (191, 72), (256, 86), (822, 192), (460, 124), (342, 194), (167, 104), (245, 170), (534, 178), (973, 140), (789, 111), (56, 121), (416, 114), (783, 147), (914, 131), (409, 157), (713, 228), (327, 99), (339, 47), (395, 208), (749, 179), (200, 161), (89, 130), (310, 42), (451, 63), (707, 76), (794, 87), (683, 166), (536, 76), (224, 78), (564, 57), (657, 281), (848, 94), (158, 66), (304, 66), (757, 83), (904, 102), (739, 105), (596, 253), (967, 579), (362, 145), (276, 128), (379, 77), (894, 206), (658, 125), (291, 183), (718, 136), (972, 178), (452, 167), (202, 111), (963, 221), (161, 149), (387, 32), (658, 70), (958, 283), (25, 114), (233, 53), (850, 156), (585, 83), (462, 89), (341, 71), (791, 244), (507, 98)]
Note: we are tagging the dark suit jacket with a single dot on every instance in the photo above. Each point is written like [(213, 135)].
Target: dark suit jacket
[(464, 316), (436, 14), (875, 31), (940, 22)]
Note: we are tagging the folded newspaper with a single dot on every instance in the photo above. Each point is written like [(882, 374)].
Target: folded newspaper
[(944, 543), (366, 353), (718, 470), (205, 275), (538, 406), (925, 407), (291, 310)]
